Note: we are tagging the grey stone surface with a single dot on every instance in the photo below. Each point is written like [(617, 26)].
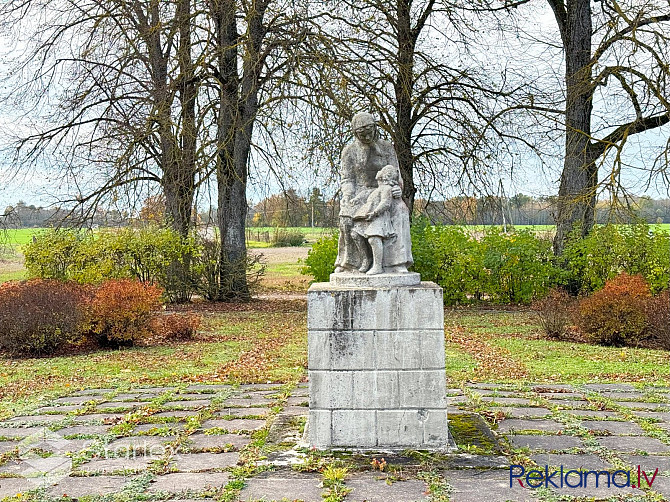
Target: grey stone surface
[(547, 443), (6, 446), (216, 442), (611, 387), (376, 367), (514, 412), (237, 424), (77, 487), (157, 428), (656, 415), (243, 412), (97, 417), (22, 432), (10, 487), (34, 466), (83, 430), (381, 280), (178, 414), (368, 487), (192, 404), (570, 461), (485, 485), (639, 405), (36, 419), (611, 427), (275, 486), (527, 425), (632, 444), (114, 465), (648, 462), (181, 482), (591, 413), (125, 405), (151, 445), (74, 400), (246, 402), (198, 462), (506, 401)]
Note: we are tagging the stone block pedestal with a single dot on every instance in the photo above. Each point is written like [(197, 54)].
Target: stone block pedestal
[(376, 367)]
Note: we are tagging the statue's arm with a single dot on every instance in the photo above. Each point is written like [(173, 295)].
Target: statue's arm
[(347, 177)]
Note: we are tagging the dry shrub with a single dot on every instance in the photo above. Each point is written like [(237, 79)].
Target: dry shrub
[(179, 327), (555, 312), (37, 317), (658, 320), (616, 315), (119, 312)]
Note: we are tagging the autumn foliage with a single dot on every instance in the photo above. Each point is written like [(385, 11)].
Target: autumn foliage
[(119, 312), (37, 317), (555, 312), (175, 327), (617, 314)]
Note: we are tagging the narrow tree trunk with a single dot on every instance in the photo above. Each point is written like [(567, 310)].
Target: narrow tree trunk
[(231, 171), (579, 179), (404, 85)]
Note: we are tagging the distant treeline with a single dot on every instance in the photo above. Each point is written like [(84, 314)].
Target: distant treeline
[(290, 209), (22, 215)]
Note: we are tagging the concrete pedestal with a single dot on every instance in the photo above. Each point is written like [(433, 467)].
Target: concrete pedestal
[(376, 367)]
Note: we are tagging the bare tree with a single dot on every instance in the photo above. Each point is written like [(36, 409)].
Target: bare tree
[(616, 52)]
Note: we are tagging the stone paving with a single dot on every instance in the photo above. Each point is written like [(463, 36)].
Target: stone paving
[(244, 443)]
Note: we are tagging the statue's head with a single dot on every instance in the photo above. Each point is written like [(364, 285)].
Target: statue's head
[(388, 174), (364, 127)]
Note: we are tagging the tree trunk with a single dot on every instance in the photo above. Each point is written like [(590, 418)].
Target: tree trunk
[(404, 85), (579, 179)]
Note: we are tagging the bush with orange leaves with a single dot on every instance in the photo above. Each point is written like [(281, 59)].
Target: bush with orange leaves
[(175, 327), (120, 311), (38, 317), (617, 314)]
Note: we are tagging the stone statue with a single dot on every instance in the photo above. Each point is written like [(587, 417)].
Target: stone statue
[(374, 220)]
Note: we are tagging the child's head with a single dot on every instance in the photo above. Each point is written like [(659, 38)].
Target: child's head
[(388, 174)]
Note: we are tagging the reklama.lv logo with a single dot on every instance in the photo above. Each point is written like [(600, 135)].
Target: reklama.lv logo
[(574, 478)]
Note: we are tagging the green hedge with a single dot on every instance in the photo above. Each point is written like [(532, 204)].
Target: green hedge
[(519, 266)]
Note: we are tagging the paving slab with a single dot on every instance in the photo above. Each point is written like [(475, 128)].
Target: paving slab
[(656, 415), (624, 396), (23, 432), (648, 462), (209, 388), (244, 412), (97, 417), (524, 412), (260, 386), (150, 445), (632, 444), (89, 392), (473, 485), (570, 403), (193, 404), (611, 427), (78, 487), (237, 424), (56, 445), (126, 405), (192, 397), (368, 487), (506, 401), (198, 462), (10, 487), (244, 402), (615, 387), (662, 485), (6, 446), (112, 465), (570, 461), (83, 430), (158, 428), (36, 419), (73, 400), (596, 414), (561, 395), (38, 466), (57, 410), (297, 401), (182, 482), (275, 486), (548, 443), (178, 414), (216, 442), (515, 424), (639, 405)]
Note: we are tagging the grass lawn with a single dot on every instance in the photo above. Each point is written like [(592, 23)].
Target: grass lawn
[(266, 341)]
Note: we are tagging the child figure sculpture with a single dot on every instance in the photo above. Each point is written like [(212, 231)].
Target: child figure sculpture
[(373, 220)]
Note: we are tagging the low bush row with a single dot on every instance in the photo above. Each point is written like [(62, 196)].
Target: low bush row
[(623, 313), (180, 266), (39, 317), (519, 266)]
